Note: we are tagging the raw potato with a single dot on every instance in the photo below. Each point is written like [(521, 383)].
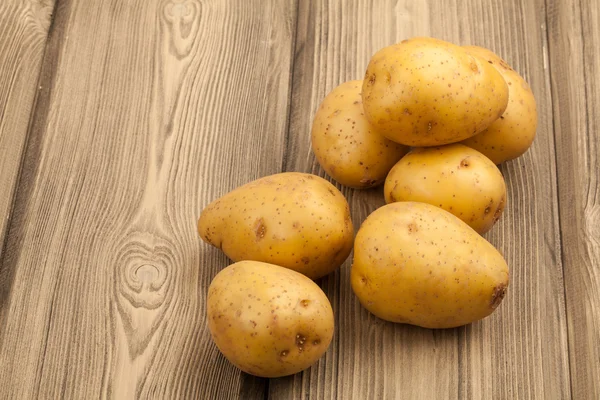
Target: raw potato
[(296, 220), (267, 320), (510, 136), (417, 264), (454, 177), (428, 92), (346, 145)]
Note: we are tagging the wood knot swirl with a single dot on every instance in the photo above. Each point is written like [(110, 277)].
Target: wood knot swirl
[(144, 271), (182, 18)]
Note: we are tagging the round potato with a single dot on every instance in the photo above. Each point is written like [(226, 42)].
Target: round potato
[(428, 92), (417, 264), (512, 134), (454, 177), (296, 220), (346, 145), (267, 320)]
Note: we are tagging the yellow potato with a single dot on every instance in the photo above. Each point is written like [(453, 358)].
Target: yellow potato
[(267, 320), (454, 177), (346, 145), (417, 264), (296, 220), (512, 134), (428, 92)]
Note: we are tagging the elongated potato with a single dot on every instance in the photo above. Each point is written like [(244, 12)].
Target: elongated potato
[(296, 220), (267, 320), (428, 92), (513, 133), (417, 264), (454, 177), (346, 145)]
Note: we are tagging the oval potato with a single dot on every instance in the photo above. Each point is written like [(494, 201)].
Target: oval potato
[(428, 92), (296, 220), (267, 320), (454, 177), (417, 264), (513, 133), (346, 145)]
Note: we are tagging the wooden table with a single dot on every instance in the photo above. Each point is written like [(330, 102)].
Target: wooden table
[(121, 119)]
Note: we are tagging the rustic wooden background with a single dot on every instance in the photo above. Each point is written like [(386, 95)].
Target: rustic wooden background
[(121, 119)]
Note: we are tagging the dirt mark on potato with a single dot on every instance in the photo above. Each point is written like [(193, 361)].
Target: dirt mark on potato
[(260, 228), (498, 295)]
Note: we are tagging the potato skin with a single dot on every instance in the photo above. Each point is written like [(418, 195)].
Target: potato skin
[(267, 320), (454, 177), (296, 220), (346, 145), (513, 133), (417, 264), (428, 92)]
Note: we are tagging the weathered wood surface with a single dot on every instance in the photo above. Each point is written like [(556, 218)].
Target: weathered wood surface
[(157, 107), (150, 111), (23, 31)]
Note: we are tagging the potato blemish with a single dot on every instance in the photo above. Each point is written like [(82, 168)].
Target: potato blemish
[(260, 228)]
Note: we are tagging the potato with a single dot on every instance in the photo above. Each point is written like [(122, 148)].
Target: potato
[(512, 134), (296, 220), (417, 264), (346, 145), (267, 320), (454, 177), (428, 92)]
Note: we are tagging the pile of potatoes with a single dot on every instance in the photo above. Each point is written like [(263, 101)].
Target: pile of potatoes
[(430, 121)]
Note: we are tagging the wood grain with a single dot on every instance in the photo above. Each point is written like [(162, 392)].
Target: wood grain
[(520, 351), (152, 111), (574, 40), (23, 32)]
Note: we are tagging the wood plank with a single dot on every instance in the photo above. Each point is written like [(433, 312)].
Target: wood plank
[(520, 351), (23, 32), (574, 40), (153, 110)]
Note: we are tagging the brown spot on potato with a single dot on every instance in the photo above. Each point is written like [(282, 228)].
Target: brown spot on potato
[(412, 227), (260, 228), (498, 295), (304, 303), (284, 353), (300, 340), (305, 260), (316, 342), (371, 79), (368, 182), (498, 211), (207, 236), (465, 163), (474, 67), (504, 64)]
